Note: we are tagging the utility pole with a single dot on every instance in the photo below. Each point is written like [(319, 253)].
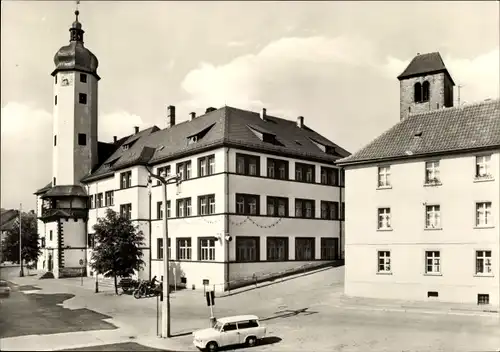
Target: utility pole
[(21, 273), (165, 308)]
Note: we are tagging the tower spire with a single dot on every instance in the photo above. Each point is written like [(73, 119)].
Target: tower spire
[(76, 31), (76, 10)]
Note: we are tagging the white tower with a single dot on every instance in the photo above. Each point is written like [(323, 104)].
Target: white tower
[(75, 110)]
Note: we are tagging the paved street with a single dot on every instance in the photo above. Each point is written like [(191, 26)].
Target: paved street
[(306, 313)]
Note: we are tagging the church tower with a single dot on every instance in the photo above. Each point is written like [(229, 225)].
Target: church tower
[(75, 110), (425, 85)]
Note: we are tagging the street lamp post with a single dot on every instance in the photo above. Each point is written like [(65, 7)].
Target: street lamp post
[(165, 316), (21, 273)]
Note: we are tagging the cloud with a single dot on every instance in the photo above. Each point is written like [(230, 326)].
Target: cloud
[(236, 43), (478, 76), (26, 146)]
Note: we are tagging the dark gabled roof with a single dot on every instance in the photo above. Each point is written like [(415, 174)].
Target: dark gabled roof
[(66, 191), (8, 218), (423, 64), (228, 126), (44, 189), (463, 128)]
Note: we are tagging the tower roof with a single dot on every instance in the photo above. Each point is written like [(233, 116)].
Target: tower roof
[(425, 64), (75, 56)]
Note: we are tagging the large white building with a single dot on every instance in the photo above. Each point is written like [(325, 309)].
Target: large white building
[(422, 199), (259, 194)]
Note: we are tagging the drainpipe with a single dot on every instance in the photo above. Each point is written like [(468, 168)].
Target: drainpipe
[(226, 213), (150, 244), (341, 181)]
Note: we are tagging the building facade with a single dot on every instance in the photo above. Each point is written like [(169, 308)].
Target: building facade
[(253, 186), (422, 216)]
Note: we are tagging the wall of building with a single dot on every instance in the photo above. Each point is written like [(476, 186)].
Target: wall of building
[(240, 271), (408, 240), (438, 84)]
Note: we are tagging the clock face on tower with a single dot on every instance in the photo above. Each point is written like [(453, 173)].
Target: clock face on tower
[(66, 79)]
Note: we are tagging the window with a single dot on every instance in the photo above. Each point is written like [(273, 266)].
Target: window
[(206, 204), (230, 327), (55, 78), (110, 198), (304, 248), (384, 218), (432, 173), (304, 208), (160, 171), (207, 248), (277, 169), (329, 210), (425, 91), (83, 78), (99, 200), (483, 214), (184, 170), (159, 249), (247, 204), (277, 206), (417, 92), (432, 217), (432, 294), (50, 235), (206, 165), (384, 262), (183, 207), (483, 166), (432, 262), (483, 262), (159, 210), (384, 176), (91, 201), (55, 141), (126, 211), (82, 98), (126, 179), (55, 100), (329, 176), (247, 165), (304, 173), (184, 249), (483, 298), (277, 248), (247, 249), (329, 248), (82, 139), (247, 324), (53, 181)]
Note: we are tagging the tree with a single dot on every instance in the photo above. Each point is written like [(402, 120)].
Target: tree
[(30, 245), (117, 247)]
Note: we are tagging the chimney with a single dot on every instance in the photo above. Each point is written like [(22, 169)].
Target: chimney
[(210, 109), (170, 116), (263, 114), (115, 139), (136, 129), (193, 115), (300, 121)]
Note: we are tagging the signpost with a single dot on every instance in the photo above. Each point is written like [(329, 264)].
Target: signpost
[(210, 296), (81, 276)]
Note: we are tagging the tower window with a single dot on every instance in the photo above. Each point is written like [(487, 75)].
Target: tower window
[(53, 181), (83, 78), (425, 91), (421, 92), (55, 100), (55, 78), (82, 98), (55, 141), (418, 92), (82, 139)]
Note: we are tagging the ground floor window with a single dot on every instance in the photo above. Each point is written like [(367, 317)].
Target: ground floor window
[(184, 249), (483, 299), (247, 249), (304, 248), (277, 248), (207, 248), (384, 262), (159, 248), (329, 248)]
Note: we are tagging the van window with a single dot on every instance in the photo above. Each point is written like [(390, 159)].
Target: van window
[(230, 327), (248, 324)]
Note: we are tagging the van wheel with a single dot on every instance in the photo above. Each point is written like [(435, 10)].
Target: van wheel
[(212, 346), (251, 341)]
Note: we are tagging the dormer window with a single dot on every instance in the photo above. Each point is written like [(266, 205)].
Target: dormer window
[(264, 135), (195, 138)]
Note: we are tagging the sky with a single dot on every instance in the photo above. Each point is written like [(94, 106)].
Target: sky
[(335, 63)]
